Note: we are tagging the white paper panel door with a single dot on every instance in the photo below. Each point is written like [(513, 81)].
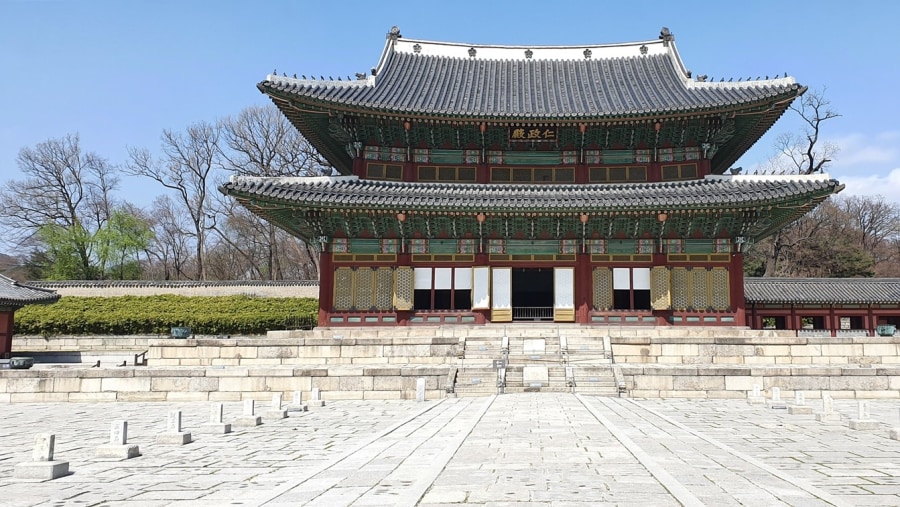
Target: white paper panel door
[(564, 288), (621, 278), (462, 278), (481, 286), (501, 292), (422, 278), (443, 278), (641, 278)]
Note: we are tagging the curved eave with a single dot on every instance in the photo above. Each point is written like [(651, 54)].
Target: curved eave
[(830, 291)]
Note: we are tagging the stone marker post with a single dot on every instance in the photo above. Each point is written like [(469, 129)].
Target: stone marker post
[(216, 424), (118, 446), (249, 419), (297, 403), (173, 434), (799, 406), (42, 466), (420, 389), (316, 398), (756, 397), (275, 411), (776, 401), (827, 414), (863, 419), (895, 433)]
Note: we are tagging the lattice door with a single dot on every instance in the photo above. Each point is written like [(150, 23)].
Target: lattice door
[(403, 288), (700, 288), (384, 288), (602, 289), (343, 289), (679, 288), (720, 289), (660, 296)]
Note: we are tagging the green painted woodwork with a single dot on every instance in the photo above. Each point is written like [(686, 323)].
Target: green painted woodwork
[(365, 246), (620, 246), (443, 246), (528, 247)]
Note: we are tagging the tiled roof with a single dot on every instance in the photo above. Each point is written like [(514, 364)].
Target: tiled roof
[(711, 192), (417, 77), (822, 290), (14, 294)]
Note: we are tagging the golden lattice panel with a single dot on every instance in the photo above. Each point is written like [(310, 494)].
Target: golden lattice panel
[(660, 298), (384, 288), (699, 289), (602, 288), (719, 287), (343, 288), (365, 289), (679, 288), (403, 288)]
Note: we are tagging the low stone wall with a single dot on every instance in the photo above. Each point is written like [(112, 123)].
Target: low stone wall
[(756, 350), (23, 344), (305, 351), (682, 381), (218, 383)]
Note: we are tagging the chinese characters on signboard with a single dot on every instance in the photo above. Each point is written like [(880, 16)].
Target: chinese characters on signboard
[(527, 133)]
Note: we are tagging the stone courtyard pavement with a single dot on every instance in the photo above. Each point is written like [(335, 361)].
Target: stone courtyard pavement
[(515, 449)]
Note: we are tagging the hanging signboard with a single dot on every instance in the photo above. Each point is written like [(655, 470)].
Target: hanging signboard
[(532, 133)]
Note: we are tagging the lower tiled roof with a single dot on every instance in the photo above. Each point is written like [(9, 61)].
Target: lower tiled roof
[(822, 290), (14, 294), (711, 192)]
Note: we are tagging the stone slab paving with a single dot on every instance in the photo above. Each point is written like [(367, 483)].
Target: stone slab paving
[(543, 449)]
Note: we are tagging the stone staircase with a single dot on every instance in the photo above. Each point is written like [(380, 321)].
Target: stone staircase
[(535, 358)]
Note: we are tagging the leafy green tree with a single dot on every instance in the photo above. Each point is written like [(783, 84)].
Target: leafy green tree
[(119, 244)]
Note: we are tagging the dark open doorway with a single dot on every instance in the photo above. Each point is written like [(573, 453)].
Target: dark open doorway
[(532, 293)]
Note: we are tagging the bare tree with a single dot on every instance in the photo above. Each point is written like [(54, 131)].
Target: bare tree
[(261, 142), (798, 153), (187, 169), (67, 193)]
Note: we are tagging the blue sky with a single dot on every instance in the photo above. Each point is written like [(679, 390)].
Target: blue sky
[(119, 72)]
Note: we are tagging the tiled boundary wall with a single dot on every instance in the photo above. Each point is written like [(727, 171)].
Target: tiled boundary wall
[(219, 383)]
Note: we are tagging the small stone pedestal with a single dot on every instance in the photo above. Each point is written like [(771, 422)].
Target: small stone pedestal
[(756, 397), (863, 420), (799, 407), (173, 434), (215, 424), (43, 467), (296, 404), (249, 419), (828, 414), (316, 398), (118, 446), (776, 401), (275, 411)]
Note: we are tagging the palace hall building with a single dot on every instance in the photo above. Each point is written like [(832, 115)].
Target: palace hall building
[(477, 183)]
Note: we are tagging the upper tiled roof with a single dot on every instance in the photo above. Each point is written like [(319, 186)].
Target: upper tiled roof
[(822, 290), (425, 78), (16, 295), (711, 192)]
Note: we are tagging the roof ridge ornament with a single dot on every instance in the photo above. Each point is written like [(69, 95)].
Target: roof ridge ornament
[(394, 34), (666, 36), (472, 52)]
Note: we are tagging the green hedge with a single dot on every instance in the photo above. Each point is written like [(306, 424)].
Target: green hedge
[(227, 315)]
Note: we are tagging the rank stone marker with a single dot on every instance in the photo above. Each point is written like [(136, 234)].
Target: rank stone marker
[(173, 434), (249, 419), (827, 414), (756, 397), (118, 446), (420, 389), (799, 407), (43, 467), (895, 433), (275, 411), (297, 403), (316, 398), (776, 401), (863, 420), (215, 424)]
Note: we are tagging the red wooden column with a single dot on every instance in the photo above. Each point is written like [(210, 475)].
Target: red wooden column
[(738, 302), (6, 333), (584, 281), (326, 286)]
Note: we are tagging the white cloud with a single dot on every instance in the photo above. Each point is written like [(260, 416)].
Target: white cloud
[(884, 185)]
